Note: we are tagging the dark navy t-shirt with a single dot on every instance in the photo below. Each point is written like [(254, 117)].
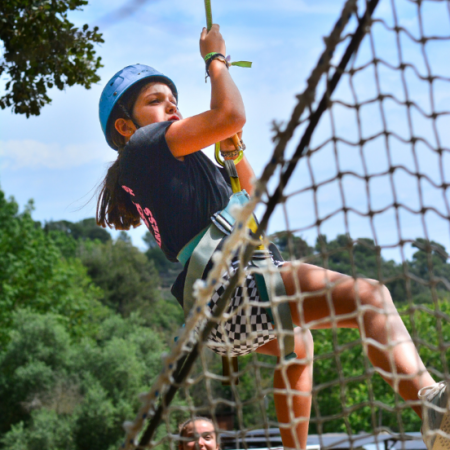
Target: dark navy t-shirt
[(175, 199)]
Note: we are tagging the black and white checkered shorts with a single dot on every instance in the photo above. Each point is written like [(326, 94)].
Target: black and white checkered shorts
[(249, 327)]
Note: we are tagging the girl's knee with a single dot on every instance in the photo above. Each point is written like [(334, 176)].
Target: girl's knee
[(304, 345), (373, 293)]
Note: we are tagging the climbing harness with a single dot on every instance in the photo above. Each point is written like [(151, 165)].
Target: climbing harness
[(201, 248)]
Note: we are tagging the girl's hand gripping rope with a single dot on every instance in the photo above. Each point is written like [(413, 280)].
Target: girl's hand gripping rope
[(229, 146), (212, 42), (212, 50)]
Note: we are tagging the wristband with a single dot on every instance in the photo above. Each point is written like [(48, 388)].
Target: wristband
[(215, 55), (210, 57), (247, 64)]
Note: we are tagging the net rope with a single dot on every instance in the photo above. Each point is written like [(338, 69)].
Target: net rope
[(370, 166)]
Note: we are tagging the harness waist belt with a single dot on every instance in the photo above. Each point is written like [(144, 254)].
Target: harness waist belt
[(222, 219), (200, 250)]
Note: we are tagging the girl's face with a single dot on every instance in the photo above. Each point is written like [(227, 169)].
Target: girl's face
[(155, 103), (201, 436)]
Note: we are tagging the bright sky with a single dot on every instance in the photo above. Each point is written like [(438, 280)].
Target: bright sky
[(59, 158)]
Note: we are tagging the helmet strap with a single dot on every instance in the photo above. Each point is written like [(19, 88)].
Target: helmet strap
[(128, 115)]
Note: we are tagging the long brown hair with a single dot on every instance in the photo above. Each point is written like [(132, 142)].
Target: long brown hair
[(114, 206)]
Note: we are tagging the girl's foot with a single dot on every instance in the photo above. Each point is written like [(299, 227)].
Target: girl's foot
[(436, 416)]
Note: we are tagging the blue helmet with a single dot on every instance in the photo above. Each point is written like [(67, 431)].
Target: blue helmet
[(119, 84)]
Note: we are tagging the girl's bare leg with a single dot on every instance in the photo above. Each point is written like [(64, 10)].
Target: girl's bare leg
[(297, 376), (363, 304)]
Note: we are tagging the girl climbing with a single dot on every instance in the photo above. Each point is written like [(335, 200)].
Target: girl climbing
[(162, 178)]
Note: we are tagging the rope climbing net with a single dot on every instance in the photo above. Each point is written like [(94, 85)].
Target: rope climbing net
[(357, 182)]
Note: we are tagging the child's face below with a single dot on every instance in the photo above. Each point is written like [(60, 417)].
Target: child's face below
[(156, 103), (202, 436)]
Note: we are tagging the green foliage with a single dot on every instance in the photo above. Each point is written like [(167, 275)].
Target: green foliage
[(73, 394), (71, 369), (65, 243), (291, 246), (82, 230), (343, 255), (168, 270), (128, 280), (34, 275), (430, 264), (430, 329), (47, 430), (37, 355), (42, 49)]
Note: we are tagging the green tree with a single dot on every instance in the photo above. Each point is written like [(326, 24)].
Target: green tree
[(36, 357), (82, 230), (46, 430), (130, 283), (168, 270), (429, 263), (35, 275), (59, 392), (42, 49), (361, 258), (291, 246), (128, 280)]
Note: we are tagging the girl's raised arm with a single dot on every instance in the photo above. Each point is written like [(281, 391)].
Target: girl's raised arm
[(227, 114)]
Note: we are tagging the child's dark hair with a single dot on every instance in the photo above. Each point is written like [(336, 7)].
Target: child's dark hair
[(183, 426), (114, 207)]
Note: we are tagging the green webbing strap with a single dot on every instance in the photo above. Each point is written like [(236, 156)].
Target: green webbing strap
[(199, 259), (247, 64), (263, 283), (186, 251), (239, 198)]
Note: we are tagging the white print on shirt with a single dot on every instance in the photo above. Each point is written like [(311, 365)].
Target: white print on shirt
[(147, 217)]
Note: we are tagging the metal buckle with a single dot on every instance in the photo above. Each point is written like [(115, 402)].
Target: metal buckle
[(261, 254), (221, 223)]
